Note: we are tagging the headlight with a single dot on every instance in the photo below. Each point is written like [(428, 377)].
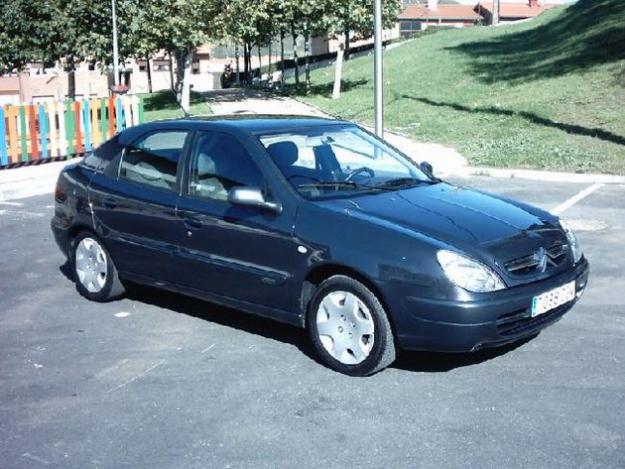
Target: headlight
[(467, 273), (576, 249)]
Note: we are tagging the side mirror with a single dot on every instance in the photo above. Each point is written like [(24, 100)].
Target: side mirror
[(426, 168), (252, 197)]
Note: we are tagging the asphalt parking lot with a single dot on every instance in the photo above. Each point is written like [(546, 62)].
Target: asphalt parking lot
[(162, 381)]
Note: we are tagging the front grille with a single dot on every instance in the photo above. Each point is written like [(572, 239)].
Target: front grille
[(519, 322), (539, 261)]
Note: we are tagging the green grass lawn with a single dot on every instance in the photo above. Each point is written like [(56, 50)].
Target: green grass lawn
[(548, 93), (163, 105)]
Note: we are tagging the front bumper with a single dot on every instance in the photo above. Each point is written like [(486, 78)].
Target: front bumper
[(498, 319)]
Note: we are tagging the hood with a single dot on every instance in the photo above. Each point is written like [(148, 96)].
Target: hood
[(455, 215)]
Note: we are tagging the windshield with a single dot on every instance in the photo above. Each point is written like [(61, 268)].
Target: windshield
[(333, 161)]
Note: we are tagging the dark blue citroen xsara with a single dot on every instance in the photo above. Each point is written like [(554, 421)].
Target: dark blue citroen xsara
[(319, 224)]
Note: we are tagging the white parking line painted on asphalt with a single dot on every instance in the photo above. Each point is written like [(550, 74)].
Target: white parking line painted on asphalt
[(136, 377), (14, 204), (576, 198)]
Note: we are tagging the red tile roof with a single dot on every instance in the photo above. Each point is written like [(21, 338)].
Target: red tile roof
[(517, 10), (443, 12)]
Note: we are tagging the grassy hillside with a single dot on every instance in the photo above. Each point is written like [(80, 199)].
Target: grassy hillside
[(548, 93)]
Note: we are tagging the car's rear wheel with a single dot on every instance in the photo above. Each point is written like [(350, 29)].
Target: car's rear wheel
[(94, 271), (349, 327)]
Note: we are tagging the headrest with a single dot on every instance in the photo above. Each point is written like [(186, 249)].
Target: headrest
[(205, 165), (283, 153)]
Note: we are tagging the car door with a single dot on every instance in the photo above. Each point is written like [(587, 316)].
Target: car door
[(135, 209), (240, 252)]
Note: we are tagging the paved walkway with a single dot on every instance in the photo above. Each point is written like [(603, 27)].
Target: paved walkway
[(445, 160), (16, 183)]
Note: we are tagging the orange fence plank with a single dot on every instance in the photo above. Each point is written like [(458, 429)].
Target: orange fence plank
[(80, 147), (32, 133), (13, 138), (112, 125)]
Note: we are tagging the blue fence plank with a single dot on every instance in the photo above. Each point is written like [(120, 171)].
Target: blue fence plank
[(120, 114), (86, 117), (43, 130), (4, 157)]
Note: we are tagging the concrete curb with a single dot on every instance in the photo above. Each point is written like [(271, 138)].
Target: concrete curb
[(536, 175)]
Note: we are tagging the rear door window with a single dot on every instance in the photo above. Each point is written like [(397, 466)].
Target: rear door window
[(153, 159)]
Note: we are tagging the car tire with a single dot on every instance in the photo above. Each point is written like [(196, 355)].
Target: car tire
[(93, 268), (349, 327)]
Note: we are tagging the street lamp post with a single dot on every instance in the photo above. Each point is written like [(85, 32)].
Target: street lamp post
[(377, 41), (115, 51)]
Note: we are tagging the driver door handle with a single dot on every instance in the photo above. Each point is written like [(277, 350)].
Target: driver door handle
[(191, 221)]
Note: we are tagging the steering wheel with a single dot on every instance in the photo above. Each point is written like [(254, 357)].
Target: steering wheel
[(362, 169)]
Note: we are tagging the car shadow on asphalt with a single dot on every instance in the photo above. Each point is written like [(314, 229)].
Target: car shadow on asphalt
[(222, 315), (437, 362), (426, 362)]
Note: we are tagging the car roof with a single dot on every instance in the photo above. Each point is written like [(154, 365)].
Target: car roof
[(256, 123), (249, 123)]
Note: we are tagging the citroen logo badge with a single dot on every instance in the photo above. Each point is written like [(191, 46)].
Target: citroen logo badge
[(541, 258)]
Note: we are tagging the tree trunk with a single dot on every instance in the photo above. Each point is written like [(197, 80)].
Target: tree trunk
[(346, 53), (338, 69), (496, 9), (269, 63), (180, 65), (260, 72), (149, 70), (282, 64), (71, 83), (307, 58), (245, 70), (185, 92), (237, 80), (295, 57), (172, 83)]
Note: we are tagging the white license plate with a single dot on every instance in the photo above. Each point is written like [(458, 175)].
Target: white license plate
[(553, 298)]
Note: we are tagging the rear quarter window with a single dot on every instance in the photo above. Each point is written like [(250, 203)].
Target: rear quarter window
[(103, 155)]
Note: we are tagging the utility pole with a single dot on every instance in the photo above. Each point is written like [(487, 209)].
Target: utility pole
[(377, 41), (115, 51)]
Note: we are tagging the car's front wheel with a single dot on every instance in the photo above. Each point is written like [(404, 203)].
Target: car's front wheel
[(94, 270), (349, 327)]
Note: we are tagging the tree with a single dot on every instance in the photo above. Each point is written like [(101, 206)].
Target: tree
[(355, 16), (179, 27), (29, 32), (310, 19), (250, 23)]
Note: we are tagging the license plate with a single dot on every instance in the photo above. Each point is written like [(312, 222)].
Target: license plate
[(553, 298)]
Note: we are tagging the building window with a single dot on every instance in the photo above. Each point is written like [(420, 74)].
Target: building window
[(161, 65)]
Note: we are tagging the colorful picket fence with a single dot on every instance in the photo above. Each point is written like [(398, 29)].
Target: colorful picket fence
[(31, 132)]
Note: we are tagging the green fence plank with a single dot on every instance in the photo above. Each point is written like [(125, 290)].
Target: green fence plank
[(104, 121), (23, 131), (70, 128)]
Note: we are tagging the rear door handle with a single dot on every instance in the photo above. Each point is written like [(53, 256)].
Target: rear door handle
[(109, 202)]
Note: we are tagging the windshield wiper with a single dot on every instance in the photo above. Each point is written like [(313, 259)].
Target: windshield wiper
[(334, 184), (404, 181)]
